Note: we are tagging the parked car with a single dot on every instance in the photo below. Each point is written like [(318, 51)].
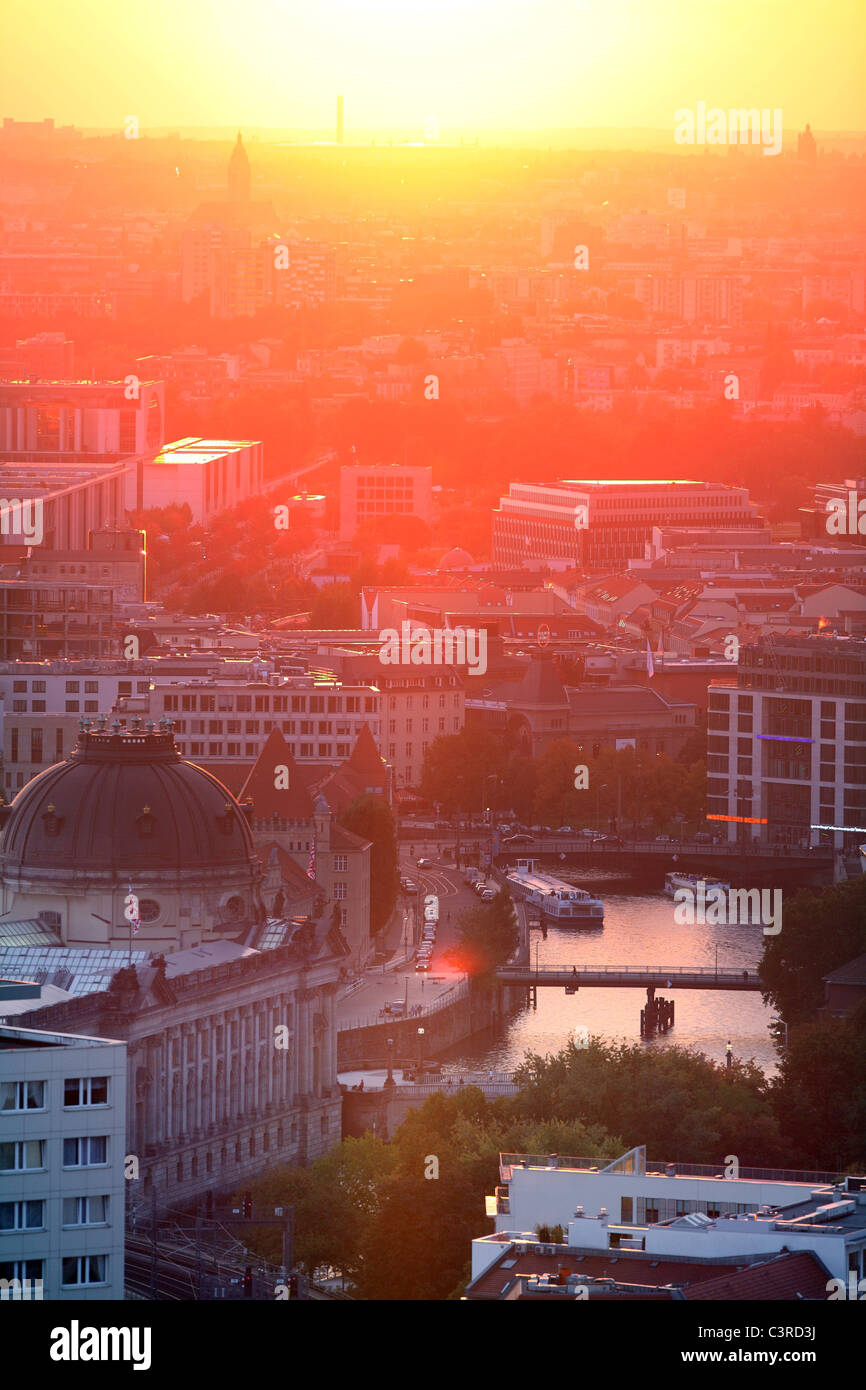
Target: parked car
[(589, 834), (409, 888), (565, 830)]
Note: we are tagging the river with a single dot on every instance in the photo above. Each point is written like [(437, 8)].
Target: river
[(639, 929)]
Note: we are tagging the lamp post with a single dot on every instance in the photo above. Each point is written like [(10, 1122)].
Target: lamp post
[(729, 1054), (389, 1079), (421, 1050)]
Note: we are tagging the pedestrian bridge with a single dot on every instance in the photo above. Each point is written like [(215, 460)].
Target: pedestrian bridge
[(648, 977)]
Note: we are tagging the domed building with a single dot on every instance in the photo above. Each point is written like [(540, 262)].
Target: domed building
[(125, 812)]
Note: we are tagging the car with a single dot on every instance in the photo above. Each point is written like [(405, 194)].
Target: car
[(422, 964), (409, 888), (521, 837), (663, 840), (588, 834), (565, 830), (424, 863), (487, 895)]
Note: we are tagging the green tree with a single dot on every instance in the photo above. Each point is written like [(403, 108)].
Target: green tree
[(820, 932), (456, 767), (372, 819), (486, 936), (819, 1095)]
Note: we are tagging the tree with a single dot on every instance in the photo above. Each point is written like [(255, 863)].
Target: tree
[(487, 936), (820, 933), (456, 768), (371, 818), (819, 1095)]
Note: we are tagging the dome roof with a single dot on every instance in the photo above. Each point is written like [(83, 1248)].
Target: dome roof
[(125, 804), (456, 559)]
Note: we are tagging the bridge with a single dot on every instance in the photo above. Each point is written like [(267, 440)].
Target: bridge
[(657, 1015), (624, 976), (754, 862)]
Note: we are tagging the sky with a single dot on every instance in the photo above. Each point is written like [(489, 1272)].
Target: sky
[(473, 66)]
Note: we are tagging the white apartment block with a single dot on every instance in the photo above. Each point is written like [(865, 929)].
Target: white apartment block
[(675, 1212), (62, 1150)]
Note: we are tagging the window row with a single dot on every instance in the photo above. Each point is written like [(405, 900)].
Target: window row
[(78, 1091)]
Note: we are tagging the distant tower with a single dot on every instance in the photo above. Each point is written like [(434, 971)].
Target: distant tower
[(807, 150), (239, 174), (339, 120)]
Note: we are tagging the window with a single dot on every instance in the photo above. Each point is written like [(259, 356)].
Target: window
[(20, 1271), (339, 892), (86, 1152), (85, 1269), (22, 1216), (22, 1095), (22, 1155), (73, 687), (85, 1211), (72, 706), (90, 687), (85, 1090), (341, 863)]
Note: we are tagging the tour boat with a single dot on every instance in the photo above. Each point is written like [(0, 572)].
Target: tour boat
[(558, 901), (674, 881)]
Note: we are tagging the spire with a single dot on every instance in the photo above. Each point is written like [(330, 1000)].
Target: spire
[(239, 173)]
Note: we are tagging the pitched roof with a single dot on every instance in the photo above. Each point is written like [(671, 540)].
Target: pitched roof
[(365, 758), (541, 685), (289, 803), (787, 1277)]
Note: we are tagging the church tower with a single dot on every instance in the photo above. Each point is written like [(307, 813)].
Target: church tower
[(239, 174)]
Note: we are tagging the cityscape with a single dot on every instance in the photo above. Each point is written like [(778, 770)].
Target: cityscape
[(433, 665)]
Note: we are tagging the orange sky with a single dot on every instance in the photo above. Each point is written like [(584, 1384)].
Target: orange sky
[(477, 66)]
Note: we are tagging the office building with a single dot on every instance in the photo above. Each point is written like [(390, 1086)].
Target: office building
[(602, 525), (786, 744), (372, 491)]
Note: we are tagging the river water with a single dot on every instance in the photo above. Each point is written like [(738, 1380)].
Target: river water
[(639, 929)]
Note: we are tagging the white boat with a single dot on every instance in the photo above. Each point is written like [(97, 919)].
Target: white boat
[(674, 881), (558, 901)]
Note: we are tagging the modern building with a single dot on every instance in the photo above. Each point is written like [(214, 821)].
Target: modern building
[(786, 744), (669, 1212), (62, 1151), (124, 813), (209, 475), (81, 419), (602, 525), (371, 491), (62, 619)]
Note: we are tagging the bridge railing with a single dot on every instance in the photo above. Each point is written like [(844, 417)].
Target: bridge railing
[(669, 972)]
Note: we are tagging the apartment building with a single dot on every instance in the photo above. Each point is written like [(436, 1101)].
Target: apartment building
[(78, 418), (416, 705), (62, 1150), (786, 744), (601, 525)]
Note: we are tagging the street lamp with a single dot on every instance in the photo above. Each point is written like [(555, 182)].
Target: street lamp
[(729, 1054), (782, 1024), (421, 1050), (389, 1079)]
